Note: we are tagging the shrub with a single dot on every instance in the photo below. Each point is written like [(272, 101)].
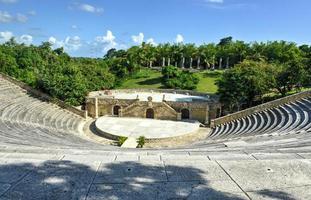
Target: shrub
[(141, 141), (121, 140)]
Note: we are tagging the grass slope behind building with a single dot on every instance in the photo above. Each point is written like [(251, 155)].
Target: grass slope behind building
[(151, 79)]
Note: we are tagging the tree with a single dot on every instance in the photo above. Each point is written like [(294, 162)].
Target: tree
[(225, 41), (178, 79), (244, 83), (288, 75)]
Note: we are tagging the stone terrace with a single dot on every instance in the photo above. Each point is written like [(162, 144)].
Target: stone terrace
[(44, 154)]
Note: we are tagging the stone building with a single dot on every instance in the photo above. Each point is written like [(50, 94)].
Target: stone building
[(155, 104)]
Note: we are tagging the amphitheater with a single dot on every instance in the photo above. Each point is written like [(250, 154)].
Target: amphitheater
[(48, 152)]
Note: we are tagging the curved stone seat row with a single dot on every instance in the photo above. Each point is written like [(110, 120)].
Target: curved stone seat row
[(17, 133), (17, 106), (286, 119)]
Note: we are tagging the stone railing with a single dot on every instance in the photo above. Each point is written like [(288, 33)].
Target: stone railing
[(259, 108), (44, 96)]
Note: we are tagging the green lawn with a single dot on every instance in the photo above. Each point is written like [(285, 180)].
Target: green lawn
[(207, 81), (145, 79), (151, 79)]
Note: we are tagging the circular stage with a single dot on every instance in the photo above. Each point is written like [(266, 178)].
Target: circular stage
[(151, 129)]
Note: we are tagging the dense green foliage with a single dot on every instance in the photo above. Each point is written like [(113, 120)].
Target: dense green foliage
[(253, 69), (54, 72), (249, 81), (178, 79)]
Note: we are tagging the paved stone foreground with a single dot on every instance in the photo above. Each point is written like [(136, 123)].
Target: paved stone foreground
[(59, 176)]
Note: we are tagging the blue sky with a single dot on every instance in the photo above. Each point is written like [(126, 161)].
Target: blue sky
[(91, 27)]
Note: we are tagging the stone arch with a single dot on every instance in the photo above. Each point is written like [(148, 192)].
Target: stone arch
[(116, 110), (150, 113), (185, 113)]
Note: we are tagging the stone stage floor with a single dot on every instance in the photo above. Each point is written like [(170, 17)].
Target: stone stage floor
[(149, 128)]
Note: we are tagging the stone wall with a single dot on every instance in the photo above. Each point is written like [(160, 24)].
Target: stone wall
[(166, 110), (161, 111), (259, 108), (44, 96)]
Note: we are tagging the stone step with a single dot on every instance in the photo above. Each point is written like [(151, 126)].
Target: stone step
[(130, 142)]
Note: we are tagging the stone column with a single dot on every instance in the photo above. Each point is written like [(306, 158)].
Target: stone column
[(213, 65), (191, 60), (227, 63), (183, 62), (168, 61), (198, 63), (96, 107), (150, 64), (163, 62), (220, 63), (85, 114)]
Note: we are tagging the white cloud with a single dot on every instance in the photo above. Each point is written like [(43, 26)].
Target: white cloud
[(87, 8), (215, 1), (6, 17), (26, 39), (151, 41), (5, 36), (74, 27), (138, 39), (8, 1), (105, 42), (52, 40), (179, 38), (69, 44), (72, 43)]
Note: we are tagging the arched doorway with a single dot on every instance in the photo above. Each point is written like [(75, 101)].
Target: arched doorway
[(150, 113), (116, 110), (185, 113)]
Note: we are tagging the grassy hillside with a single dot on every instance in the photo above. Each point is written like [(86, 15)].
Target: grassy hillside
[(151, 79)]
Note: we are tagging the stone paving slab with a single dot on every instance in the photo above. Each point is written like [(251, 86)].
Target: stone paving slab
[(185, 157), (131, 172), (52, 180), (291, 193), (272, 156), (150, 158), (101, 177), (194, 171), (89, 158), (35, 156), (127, 158), (270, 174), (12, 170), (4, 187), (220, 156), (168, 190)]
